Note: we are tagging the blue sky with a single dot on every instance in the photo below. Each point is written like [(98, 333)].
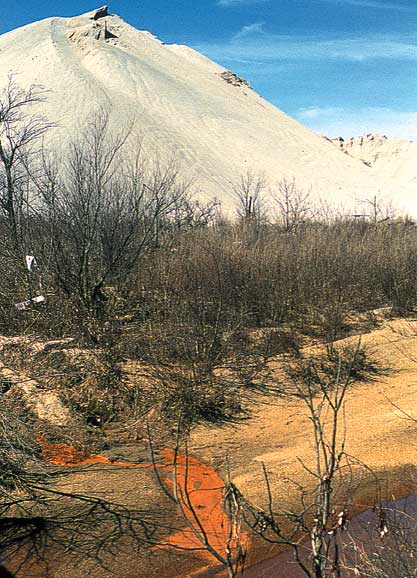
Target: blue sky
[(339, 66)]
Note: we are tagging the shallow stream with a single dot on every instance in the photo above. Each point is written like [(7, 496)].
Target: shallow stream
[(363, 535)]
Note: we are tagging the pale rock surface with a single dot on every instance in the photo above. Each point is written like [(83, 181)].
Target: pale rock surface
[(185, 106), (393, 159), (45, 404)]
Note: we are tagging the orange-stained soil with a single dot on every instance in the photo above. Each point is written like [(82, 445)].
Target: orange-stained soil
[(65, 455), (205, 491), (279, 436), (199, 487)]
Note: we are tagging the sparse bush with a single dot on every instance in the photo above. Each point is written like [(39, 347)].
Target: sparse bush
[(323, 369), (132, 267)]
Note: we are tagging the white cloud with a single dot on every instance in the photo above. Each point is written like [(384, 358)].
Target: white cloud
[(374, 4), (310, 113), (254, 29), (254, 44), (347, 122), (229, 3)]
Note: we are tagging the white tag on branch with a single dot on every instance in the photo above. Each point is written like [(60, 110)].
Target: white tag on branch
[(27, 304), (39, 299), (31, 263), (23, 305)]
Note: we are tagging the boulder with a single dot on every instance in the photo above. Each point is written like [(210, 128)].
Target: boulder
[(100, 13)]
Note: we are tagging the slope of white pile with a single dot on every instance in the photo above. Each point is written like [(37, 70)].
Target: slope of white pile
[(394, 159), (184, 109)]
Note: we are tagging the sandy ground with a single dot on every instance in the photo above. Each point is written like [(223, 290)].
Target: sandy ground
[(280, 432), (278, 435), (377, 433)]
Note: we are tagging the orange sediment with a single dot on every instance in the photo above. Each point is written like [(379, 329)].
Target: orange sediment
[(65, 455), (198, 486), (201, 490)]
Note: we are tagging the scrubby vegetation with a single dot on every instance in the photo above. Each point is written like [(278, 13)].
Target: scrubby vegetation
[(204, 305), (166, 306)]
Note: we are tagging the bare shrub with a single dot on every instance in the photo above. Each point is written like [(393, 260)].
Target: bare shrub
[(314, 531), (195, 342), (249, 193), (293, 204)]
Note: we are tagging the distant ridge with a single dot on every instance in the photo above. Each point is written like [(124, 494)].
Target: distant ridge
[(393, 159)]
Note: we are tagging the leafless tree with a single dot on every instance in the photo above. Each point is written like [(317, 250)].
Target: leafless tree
[(294, 205), (20, 134), (21, 131), (380, 211), (103, 209), (249, 193), (313, 531)]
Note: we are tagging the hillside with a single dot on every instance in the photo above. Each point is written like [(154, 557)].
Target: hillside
[(183, 105), (394, 159)]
